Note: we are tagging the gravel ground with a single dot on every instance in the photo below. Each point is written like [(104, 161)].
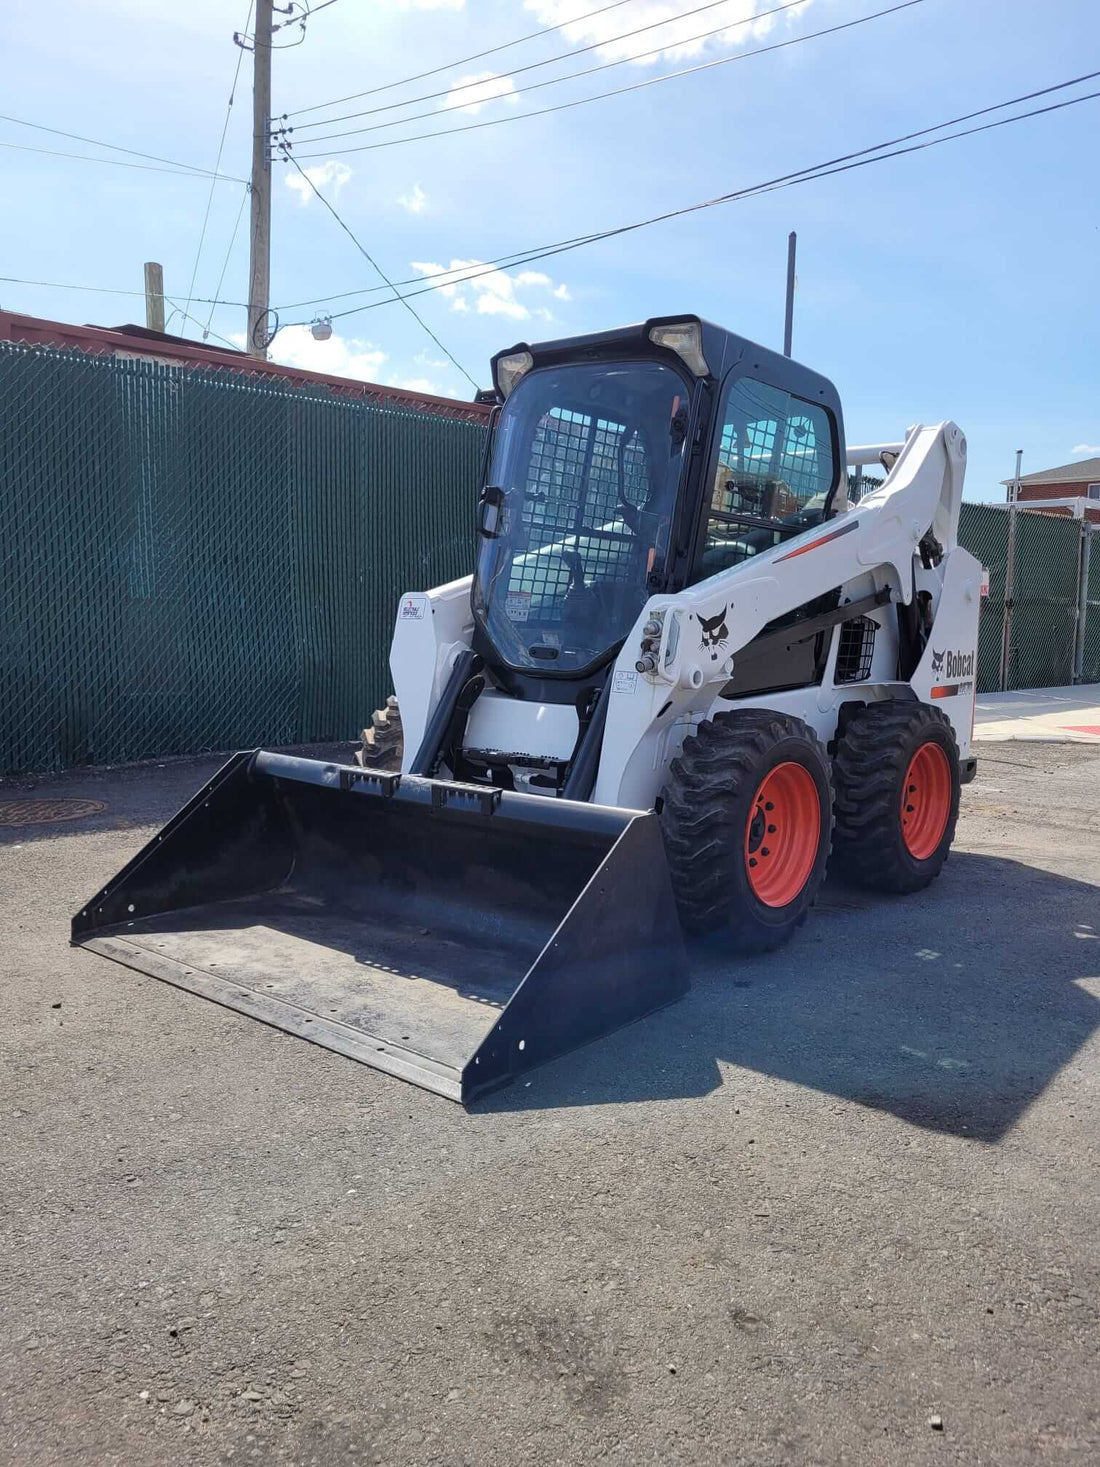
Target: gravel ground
[(838, 1206)]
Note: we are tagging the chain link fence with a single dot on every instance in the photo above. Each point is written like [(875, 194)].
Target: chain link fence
[(199, 560), (1030, 623)]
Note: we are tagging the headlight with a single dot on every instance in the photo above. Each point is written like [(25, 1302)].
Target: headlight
[(685, 338), (511, 369)]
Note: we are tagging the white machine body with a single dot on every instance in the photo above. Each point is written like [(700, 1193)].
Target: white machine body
[(867, 548)]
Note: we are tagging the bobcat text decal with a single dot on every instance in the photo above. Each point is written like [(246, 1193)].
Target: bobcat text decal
[(959, 665)]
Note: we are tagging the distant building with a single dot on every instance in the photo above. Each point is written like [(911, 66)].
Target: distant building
[(1071, 481)]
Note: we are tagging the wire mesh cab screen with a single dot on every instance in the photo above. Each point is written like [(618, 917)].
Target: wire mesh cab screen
[(773, 474), (587, 459)]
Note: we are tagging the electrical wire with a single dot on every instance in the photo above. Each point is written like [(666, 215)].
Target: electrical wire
[(187, 317), (103, 290), (518, 256), (460, 275), (843, 164), (225, 263), (97, 143), (462, 61), (616, 92), (217, 163), (119, 163), (565, 56), (375, 266)]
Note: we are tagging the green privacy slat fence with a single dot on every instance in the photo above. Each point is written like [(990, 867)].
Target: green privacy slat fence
[(984, 532), (1046, 565), (197, 560), (1090, 672)]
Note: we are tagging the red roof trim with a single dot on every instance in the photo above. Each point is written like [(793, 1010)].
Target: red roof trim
[(34, 331)]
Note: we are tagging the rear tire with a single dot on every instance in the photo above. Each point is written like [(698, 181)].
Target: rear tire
[(382, 744), (747, 816), (897, 796)]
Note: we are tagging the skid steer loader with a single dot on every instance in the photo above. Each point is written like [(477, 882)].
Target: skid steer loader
[(685, 675)]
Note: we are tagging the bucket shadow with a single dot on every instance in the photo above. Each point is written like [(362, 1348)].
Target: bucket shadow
[(952, 1010)]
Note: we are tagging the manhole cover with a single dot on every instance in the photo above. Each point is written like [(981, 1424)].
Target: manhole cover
[(45, 812)]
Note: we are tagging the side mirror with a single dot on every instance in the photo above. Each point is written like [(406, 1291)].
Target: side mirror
[(490, 512)]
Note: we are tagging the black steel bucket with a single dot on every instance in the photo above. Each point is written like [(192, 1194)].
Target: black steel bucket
[(450, 934)]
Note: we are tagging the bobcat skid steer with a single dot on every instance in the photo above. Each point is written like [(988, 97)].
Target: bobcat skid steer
[(684, 676)]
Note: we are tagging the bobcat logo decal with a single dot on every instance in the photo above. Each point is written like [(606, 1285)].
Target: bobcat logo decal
[(715, 633), (937, 662)]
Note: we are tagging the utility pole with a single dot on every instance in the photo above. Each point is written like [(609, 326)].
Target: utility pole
[(259, 259), (154, 296), (788, 322)]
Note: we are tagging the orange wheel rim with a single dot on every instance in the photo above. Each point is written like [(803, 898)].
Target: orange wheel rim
[(925, 801), (783, 834)]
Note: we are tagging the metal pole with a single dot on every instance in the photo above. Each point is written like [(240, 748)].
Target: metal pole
[(1015, 495), (154, 296), (259, 261), (1087, 533), (788, 321), (1010, 577)]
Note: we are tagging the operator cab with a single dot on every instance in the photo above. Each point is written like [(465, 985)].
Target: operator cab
[(633, 462)]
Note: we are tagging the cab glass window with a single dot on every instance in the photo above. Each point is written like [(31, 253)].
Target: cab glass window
[(773, 474)]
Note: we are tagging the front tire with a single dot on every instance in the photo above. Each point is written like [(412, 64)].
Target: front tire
[(747, 816), (897, 795)]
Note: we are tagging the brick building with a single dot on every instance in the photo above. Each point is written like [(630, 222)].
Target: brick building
[(1071, 481)]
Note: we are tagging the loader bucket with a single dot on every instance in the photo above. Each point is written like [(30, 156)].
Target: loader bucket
[(451, 934)]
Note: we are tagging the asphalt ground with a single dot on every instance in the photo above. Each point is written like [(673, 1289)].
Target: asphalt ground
[(839, 1205)]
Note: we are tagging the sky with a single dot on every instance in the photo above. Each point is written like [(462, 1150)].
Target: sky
[(958, 282)]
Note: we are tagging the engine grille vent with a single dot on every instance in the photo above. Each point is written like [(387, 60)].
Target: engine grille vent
[(857, 648)]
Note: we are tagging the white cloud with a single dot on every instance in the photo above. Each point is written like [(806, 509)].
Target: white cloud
[(323, 174), (562, 293), (674, 38), (472, 92), (417, 384), (491, 292), (1089, 450), (339, 356), (414, 200)]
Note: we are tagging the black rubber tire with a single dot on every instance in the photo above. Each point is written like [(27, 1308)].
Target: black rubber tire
[(706, 806), (383, 743), (872, 759)]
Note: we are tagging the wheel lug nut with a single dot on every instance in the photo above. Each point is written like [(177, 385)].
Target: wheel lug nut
[(769, 806), (752, 860), (764, 851), (771, 829)]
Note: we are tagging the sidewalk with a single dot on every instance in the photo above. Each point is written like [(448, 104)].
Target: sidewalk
[(1053, 715)]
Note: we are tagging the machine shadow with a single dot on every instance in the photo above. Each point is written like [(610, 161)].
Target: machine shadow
[(952, 1010)]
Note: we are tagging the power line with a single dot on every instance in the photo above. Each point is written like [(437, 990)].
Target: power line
[(461, 275), (98, 143), (617, 91), (565, 56), (518, 256), (844, 164), (119, 163), (225, 262), (217, 164), (462, 61), (103, 290), (375, 266)]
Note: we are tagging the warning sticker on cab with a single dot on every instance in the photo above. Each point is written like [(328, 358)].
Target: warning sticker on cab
[(413, 608), (517, 605), (625, 682)]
